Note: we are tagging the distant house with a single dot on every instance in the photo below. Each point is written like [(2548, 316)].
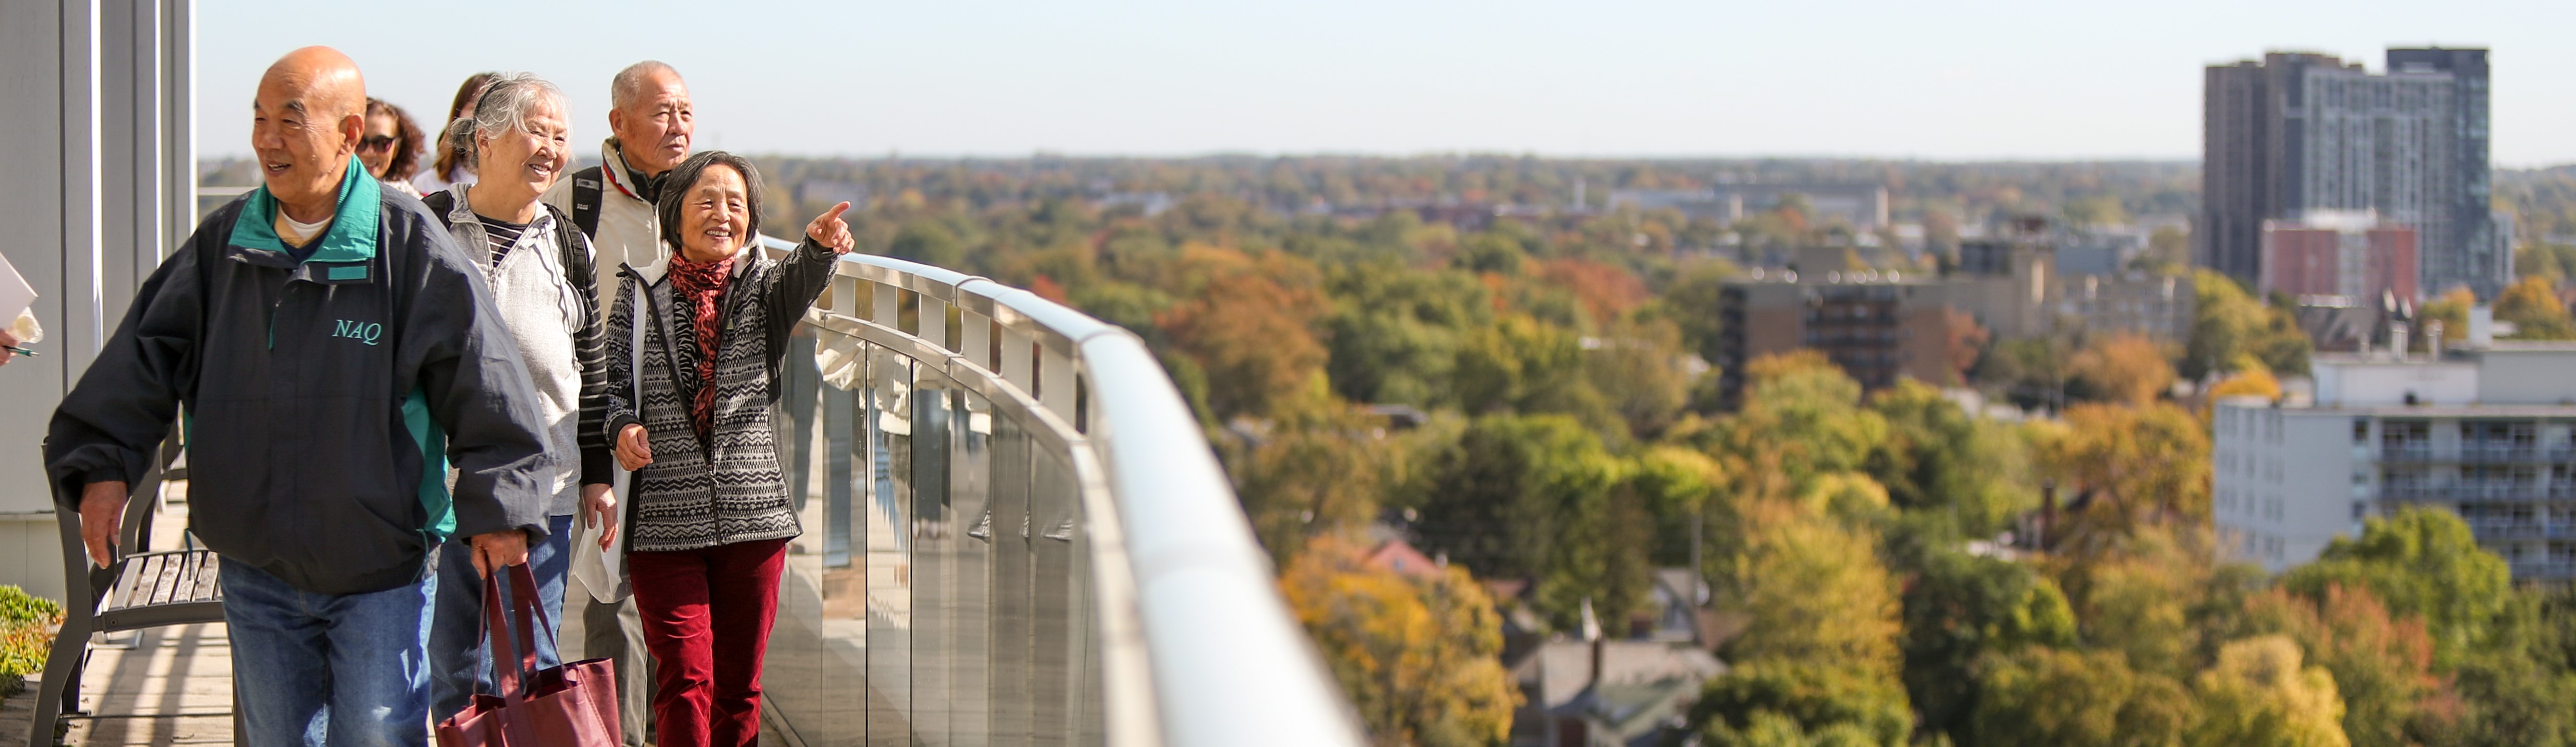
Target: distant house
[(1400, 557), (1605, 693)]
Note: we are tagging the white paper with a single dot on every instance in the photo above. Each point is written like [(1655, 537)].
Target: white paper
[(15, 294)]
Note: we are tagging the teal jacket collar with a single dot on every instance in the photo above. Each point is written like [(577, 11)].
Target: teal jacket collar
[(353, 231)]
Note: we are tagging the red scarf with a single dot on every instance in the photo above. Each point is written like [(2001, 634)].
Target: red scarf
[(701, 286)]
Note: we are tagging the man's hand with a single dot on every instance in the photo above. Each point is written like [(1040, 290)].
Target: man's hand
[(102, 511), (634, 450), (599, 511), (7, 341), (498, 550), (830, 231)]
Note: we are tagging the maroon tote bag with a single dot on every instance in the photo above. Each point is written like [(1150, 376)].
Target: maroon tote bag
[(574, 705)]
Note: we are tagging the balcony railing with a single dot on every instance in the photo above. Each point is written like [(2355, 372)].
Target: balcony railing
[(1016, 534), (2469, 491), (2477, 453)]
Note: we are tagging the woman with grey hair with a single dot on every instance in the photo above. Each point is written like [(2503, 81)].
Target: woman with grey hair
[(695, 344), (539, 267)]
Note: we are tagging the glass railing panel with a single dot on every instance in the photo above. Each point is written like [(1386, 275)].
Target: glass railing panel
[(1010, 623), (840, 446), (794, 646), (933, 579), (889, 454), (1054, 506), (969, 577)]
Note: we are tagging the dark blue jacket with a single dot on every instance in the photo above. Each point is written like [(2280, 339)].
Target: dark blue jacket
[(324, 397)]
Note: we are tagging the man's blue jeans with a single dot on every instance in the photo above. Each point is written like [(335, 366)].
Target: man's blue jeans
[(456, 659), (317, 669)]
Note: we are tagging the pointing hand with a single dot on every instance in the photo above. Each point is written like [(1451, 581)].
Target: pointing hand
[(830, 231)]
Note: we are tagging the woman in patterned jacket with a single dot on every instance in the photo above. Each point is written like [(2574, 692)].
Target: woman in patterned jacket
[(695, 344)]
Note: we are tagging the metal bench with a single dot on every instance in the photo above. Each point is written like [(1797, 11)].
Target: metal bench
[(142, 589)]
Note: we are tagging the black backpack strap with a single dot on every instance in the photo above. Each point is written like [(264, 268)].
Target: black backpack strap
[(574, 249), (586, 190), (440, 203)]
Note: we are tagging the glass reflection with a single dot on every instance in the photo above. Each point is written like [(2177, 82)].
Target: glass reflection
[(969, 574), (890, 436), (940, 594)]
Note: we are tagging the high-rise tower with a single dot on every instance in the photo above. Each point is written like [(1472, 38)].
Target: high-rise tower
[(2298, 132)]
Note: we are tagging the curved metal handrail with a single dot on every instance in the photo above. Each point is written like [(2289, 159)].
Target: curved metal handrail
[(1197, 647)]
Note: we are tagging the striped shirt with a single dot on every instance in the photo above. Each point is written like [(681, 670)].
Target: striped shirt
[(502, 234)]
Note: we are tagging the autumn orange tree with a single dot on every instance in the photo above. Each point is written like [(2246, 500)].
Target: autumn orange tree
[(1250, 326), (2123, 367), (1418, 656)]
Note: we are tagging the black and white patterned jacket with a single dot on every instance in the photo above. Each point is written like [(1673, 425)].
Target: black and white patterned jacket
[(730, 489)]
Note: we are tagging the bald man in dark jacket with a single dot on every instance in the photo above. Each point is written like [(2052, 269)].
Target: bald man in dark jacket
[(334, 350)]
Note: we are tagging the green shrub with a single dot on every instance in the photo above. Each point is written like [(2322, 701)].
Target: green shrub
[(26, 633), (16, 605)]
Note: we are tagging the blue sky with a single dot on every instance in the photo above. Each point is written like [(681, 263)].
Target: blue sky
[(1977, 79)]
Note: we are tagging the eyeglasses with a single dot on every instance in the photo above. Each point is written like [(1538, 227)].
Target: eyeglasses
[(373, 143)]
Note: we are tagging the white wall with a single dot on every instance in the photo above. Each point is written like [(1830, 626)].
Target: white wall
[(2527, 377), (100, 176), (2283, 479), (2348, 383)]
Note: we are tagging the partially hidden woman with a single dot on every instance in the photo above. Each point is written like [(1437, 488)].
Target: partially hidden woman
[(517, 138), (695, 344), (391, 149)]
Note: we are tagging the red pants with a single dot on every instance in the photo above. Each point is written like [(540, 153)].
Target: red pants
[(706, 615)]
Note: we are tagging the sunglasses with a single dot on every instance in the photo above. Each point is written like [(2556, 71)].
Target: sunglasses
[(373, 143)]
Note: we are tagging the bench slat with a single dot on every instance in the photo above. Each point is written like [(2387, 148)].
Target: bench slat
[(132, 582), (206, 589), (169, 580), (183, 579)]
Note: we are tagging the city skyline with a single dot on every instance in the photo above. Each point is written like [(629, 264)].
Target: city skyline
[(1999, 81)]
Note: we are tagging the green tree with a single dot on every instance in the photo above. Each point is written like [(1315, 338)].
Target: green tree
[(1961, 609), (1800, 703), (2226, 321), (2421, 562), (1637, 370), (1314, 477), (2517, 688), (1938, 460), (2053, 697), (1812, 590), (928, 242), (2130, 464), (1537, 496), (1525, 365), (1396, 333), (2261, 694), (1801, 418)]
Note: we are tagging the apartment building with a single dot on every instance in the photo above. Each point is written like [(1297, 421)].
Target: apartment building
[(2487, 432)]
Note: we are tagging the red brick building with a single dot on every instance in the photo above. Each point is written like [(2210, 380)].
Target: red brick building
[(2353, 255)]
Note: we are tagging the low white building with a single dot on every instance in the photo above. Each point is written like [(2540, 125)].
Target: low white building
[(2488, 432)]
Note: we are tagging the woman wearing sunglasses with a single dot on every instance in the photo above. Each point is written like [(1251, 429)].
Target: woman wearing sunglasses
[(391, 148)]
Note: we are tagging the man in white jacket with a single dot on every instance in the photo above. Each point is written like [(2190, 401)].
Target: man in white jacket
[(615, 205)]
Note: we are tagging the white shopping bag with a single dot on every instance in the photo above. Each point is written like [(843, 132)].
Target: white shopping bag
[(603, 572)]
